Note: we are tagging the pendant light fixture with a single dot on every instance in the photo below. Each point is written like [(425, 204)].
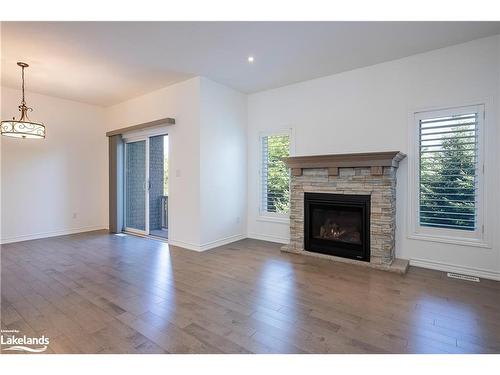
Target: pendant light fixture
[(24, 127)]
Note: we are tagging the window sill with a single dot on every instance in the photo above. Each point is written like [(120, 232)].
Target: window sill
[(450, 240), (274, 219)]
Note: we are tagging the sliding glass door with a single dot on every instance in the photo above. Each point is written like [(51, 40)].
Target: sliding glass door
[(146, 185), (135, 186)]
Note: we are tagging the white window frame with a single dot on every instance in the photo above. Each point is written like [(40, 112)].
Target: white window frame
[(265, 215), (453, 236)]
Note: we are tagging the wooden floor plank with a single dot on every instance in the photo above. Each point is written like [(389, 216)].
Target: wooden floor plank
[(100, 293)]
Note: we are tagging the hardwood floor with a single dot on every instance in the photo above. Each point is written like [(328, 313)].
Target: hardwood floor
[(101, 293)]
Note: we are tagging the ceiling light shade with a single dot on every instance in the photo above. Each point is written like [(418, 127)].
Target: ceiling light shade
[(24, 127)]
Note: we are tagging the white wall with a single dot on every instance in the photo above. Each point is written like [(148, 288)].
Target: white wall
[(223, 163), (367, 110), (46, 182), (180, 101), (207, 182)]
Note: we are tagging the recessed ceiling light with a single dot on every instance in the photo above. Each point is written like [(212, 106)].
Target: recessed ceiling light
[(250, 59)]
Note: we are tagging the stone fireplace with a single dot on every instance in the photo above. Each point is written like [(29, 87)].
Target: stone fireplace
[(343, 207)]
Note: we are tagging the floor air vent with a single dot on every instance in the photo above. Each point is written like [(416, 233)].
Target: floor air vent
[(463, 277)]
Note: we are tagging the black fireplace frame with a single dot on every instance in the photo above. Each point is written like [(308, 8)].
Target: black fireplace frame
[(341, 249)]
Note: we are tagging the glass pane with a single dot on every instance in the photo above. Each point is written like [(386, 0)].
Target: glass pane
[(275, 174), (135, 183), (158, 186), (337, 224), (448, 172)]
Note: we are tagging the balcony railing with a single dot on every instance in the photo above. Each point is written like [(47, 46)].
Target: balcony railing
[(164, 212)]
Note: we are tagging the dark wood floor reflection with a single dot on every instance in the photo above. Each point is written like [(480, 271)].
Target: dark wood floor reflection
[(100, 293)]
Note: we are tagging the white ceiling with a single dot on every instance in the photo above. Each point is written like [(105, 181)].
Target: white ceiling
[(107, 62)]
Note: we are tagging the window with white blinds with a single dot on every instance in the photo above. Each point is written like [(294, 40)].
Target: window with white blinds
[(275, 175), (449, 169)]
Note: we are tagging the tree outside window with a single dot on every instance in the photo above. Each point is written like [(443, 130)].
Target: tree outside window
[(275, 174)]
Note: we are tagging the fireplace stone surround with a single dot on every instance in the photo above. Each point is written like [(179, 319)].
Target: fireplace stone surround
[(372, 174)]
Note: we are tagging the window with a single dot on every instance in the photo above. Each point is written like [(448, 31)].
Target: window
[(449, 173), (275, 175)]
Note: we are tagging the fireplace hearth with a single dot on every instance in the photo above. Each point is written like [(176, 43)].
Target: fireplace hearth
[(337, 224)]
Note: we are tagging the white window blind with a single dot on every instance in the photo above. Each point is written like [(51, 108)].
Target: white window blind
[(275, 177), (449, 168)]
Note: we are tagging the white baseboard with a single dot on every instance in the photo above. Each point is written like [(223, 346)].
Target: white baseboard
[(207, 245), (270, 238), (36, 236), (222, 241), (184, 245), (479, 272)]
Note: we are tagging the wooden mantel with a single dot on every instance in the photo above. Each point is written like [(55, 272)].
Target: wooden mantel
[(375, 160)]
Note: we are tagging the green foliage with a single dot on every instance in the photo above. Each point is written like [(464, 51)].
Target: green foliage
[(447, 182), (278, 174)]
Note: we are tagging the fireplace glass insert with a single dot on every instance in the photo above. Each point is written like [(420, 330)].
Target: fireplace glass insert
[(337, 224)]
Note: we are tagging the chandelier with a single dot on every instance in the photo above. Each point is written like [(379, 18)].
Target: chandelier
[(24, 127)]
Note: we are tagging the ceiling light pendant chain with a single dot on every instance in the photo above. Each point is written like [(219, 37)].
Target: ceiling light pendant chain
[(23, 108)]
